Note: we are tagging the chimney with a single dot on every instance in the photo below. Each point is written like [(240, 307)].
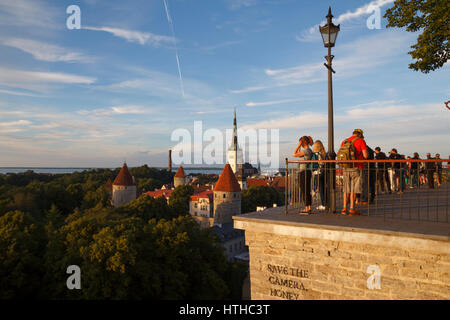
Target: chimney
[(170, 160)]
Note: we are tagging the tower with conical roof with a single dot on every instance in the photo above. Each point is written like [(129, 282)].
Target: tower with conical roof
[(227, 197), (180, 177), (123, 187), (234, 155)]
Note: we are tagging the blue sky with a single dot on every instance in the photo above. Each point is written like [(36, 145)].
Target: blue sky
[(111, 91)]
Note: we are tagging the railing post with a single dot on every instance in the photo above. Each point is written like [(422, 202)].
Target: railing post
[(286, 188)]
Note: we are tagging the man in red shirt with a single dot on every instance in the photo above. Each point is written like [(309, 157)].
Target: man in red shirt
[(353, 176)]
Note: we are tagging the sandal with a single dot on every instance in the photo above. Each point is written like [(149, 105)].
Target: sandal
[(344, 211)]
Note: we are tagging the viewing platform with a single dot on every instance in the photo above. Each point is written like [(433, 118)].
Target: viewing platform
[(332, 256)]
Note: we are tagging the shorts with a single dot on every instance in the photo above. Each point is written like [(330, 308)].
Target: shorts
[(352, 180)]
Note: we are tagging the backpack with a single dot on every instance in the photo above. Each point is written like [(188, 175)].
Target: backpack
[(314, 165), (347, 152)]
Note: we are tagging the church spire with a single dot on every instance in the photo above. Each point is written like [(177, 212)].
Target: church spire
[(235, 140)]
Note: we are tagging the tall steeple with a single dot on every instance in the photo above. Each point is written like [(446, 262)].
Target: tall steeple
[(234, 153), (235, 143)]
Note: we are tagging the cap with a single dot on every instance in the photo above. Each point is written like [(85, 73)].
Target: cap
[(358, 131)]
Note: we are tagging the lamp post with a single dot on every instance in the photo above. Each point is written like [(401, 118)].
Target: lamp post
[(329, 34)]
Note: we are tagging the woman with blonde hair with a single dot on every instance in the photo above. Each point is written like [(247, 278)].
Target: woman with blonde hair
[(304, 174), (318, 171)]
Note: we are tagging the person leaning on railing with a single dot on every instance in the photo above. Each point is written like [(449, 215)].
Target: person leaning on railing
[(382, 175), (304, 174), (438, 170), (430, 168), (415, 170), (319, 171)]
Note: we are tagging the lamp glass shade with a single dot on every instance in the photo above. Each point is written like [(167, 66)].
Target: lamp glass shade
[(329, 34)]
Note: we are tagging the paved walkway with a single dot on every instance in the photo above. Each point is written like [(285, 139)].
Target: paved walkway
[(421, 212)]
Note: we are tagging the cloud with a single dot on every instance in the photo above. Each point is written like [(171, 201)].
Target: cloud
[(118, 110), (13, 126), (313, 34), (33, 80), (19, 93), (31, 13), (45, 51), (355, 58), (304, 120), (269, 103), (237, 4), (136, 36)]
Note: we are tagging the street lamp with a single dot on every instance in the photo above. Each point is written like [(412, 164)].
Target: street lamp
[(329, 34)]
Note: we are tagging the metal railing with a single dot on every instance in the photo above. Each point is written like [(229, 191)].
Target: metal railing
[(397, 189)]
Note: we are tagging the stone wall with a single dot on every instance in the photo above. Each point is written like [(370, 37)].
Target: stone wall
[(226, 205), (301, 262)]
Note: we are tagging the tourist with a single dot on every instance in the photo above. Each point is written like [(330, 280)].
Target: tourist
[(414, 171), (368, 179), (438, 170), (408, 172), (352, 174), (319, 171), (430, 168), (402, 175), (394, 170), (304, 153), (382, 173), (423, 176)]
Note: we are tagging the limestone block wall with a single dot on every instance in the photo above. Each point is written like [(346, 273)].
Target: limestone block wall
[(296, 263), (123, 194), (226, 205)]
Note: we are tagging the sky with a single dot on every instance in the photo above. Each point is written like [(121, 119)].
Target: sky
[(117, 88)]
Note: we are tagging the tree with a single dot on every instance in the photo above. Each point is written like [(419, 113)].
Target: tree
[(431, 17), (22, 244), (179, 199), (259, 196), (146, 208), (129, 258)]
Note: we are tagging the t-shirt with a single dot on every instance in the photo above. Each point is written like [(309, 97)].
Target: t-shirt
[(395, 156), (307, 156), (360, 146), (382, 156)]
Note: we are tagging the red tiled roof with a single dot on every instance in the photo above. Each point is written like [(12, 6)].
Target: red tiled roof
[(124, 177), (160, 193), (227, 181), (108, 185), (256, 182), (279, 183), (180, 173), (208, 194)]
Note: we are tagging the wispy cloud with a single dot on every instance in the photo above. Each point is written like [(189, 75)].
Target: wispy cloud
[(270, 103), (357, 57), (312, 33), (31, 13), (45, 51), (237, 4), (118, 110), (38, 81), (13, 126), (136, 36), (20, 93)]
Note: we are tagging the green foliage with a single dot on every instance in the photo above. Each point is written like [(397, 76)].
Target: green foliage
[(259, 196), (22, 243), (179, 199), (146, 249), (146, 208), (431, 18), (127, 258)]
